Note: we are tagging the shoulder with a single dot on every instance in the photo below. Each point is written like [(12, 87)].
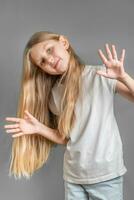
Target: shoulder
[(90, 70), (93, 67)]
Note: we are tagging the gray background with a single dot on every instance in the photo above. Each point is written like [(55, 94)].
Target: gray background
[(88, 26)]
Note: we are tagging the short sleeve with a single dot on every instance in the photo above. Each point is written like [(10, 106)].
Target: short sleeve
[(111, 83)]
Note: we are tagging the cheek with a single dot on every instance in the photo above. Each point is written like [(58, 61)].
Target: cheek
[(55, 53), (64, 55), (59, 52)]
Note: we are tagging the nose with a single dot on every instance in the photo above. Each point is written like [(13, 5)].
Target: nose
[(50, 60)]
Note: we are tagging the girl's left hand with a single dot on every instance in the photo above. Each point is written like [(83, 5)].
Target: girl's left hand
[(114, 66)]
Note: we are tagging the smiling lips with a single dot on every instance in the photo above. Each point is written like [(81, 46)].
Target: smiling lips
[(56, 63)]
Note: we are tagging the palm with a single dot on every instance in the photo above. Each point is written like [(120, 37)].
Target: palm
[(114, 67), (28, 125)]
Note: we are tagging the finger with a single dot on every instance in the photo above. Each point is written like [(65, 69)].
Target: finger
[(108, 52), (102, 56), (114, 52), (17, 135), (122, 55), (25, 116), (12, 126), (13, 119), (28, 114), (13, 130)]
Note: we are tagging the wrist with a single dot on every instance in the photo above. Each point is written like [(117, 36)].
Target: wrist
[(123, 77), (41, 129)]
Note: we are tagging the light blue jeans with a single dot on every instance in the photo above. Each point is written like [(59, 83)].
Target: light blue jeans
[(106, 190)]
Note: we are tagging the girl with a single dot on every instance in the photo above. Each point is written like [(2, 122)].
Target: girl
[(64, 101)]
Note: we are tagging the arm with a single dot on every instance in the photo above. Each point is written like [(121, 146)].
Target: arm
[(52, 134), (30, 125), (125, 87)]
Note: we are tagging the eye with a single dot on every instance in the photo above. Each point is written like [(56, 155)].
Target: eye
[(42, 61), (49, 50)]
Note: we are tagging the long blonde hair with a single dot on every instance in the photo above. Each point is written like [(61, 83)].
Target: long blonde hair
[(30, 152)]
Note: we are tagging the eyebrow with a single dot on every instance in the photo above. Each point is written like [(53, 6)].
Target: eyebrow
[(46, 44)]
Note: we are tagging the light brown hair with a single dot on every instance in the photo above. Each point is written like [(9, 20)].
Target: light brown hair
[(30, 152)]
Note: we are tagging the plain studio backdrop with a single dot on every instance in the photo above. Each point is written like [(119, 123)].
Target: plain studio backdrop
[(88, 26)]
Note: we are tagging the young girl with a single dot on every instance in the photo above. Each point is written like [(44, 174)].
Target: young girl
[(64, 101)]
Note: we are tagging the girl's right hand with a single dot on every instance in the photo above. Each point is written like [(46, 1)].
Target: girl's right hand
[(28, 125)]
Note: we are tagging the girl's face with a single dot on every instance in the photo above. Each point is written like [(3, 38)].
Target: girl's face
[(51, 55)]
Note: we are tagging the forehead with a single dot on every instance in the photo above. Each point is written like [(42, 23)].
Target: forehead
[(42, 45)]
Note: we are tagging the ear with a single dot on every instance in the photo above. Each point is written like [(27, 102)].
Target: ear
[(64, 41)]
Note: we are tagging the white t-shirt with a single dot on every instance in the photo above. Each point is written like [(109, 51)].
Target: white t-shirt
[(94, 150)]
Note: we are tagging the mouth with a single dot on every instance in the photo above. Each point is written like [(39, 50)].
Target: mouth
[(56, 63)]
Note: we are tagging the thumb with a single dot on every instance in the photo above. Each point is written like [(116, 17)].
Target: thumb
[(28, 115), (101, 73)]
